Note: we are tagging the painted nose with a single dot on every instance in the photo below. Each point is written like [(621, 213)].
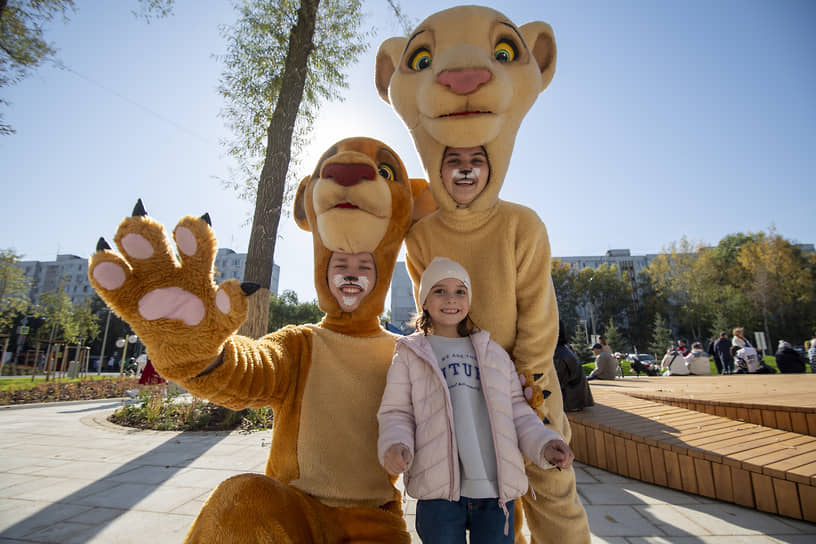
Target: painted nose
[(463, 81), (348, 174)]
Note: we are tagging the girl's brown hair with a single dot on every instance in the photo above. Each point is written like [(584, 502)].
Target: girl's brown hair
[(422, 322)]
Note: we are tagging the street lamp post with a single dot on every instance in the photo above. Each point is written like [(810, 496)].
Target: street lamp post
[(122, 343), (104, 341), (591, 309)]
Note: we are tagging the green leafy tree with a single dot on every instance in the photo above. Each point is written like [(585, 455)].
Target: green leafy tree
[(681, 278), (283, 59), (287, 310), (14, 289), (661, 337), (614, 338), (777, 281), (578, 342), (563, 278), (605, 292)]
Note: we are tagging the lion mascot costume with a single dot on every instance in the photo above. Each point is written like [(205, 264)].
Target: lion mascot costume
[(466, 78), (323, 482)]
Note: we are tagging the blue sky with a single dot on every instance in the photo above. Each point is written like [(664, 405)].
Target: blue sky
[(664, 120)]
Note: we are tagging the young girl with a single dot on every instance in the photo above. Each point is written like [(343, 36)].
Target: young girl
[(453, 418)]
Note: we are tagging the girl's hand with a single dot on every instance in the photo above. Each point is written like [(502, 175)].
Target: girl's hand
[(558, 453), (397, 458)]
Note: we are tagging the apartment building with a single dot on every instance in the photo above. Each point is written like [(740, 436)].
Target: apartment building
[(71, 271)]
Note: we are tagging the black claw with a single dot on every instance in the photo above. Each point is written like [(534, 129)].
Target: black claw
[(249, 287), (206, 219), (102, 245), (546, 393), (138, 209), (546, 421)]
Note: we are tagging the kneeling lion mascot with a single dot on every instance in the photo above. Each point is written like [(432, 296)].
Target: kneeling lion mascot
[(323, 482)]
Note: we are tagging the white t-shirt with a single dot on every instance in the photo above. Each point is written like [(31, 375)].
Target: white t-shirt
[(477, 454)]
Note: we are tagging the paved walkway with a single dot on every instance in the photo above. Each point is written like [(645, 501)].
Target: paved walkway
[(67, 476)]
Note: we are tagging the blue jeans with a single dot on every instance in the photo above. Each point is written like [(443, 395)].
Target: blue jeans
[(444, 522)]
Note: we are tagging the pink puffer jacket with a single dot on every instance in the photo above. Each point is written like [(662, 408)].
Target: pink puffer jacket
[(416, 411)]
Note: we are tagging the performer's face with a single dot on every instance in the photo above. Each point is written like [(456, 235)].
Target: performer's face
[(351, 276)]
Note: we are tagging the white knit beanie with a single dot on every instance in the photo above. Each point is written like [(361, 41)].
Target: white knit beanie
[(440, 269)]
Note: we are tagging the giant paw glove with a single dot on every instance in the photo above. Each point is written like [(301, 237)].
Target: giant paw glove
[(173, 304)]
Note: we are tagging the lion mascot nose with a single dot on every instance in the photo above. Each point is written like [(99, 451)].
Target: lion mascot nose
[(348, 174), (463, 81)]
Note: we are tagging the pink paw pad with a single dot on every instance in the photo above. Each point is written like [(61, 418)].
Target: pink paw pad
[(172, 303), (137, 246), (109, 275)]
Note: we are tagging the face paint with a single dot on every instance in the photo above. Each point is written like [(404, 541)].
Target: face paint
[(351, 276), (464, 173)]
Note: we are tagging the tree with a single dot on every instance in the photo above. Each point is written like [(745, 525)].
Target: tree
[(605, 292), (578, 341), (614, 339), (661, 337), (14, 288), (563, 278), (681, 278), (777, 279), (283, 59), (287, 310)]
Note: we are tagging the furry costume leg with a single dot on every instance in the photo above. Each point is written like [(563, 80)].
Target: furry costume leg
[(252, 508), (556, 516)]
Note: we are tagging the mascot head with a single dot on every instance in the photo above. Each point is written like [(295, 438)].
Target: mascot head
[(465, 78), (358, 205)]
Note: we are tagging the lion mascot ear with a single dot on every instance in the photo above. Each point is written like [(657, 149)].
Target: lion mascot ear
[(299, 209), (388, 57), (541, 41)]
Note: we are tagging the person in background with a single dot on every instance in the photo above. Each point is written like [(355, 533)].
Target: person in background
[(571, 377), (739, 338), (673, 364), (715, 355), (454, 419), (723, 348), (812, 353), (602, 342), (606, 367), (682, 347), (697, 361), (788, 361), (746, 359)]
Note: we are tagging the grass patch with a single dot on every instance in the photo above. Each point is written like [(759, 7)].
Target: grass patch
[(161, 411), (22, 383)]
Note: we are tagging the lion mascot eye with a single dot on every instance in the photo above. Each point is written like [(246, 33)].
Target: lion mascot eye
[(386, 172), (504, 51), (420, 60)]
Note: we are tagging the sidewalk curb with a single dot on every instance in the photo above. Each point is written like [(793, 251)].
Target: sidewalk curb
[(62, 403)]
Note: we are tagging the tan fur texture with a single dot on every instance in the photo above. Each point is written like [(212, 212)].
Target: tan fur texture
[(323, 482), (467, 77)]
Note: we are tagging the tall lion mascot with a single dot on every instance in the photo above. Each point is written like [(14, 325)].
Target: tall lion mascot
[(323, 482), (465, 79)]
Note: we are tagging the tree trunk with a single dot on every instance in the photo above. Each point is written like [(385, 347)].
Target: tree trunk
[(272, 182)]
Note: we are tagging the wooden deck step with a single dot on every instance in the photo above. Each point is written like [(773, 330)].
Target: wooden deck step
[(744, 462)]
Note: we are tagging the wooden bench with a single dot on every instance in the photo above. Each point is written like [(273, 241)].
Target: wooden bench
[(766, 467)]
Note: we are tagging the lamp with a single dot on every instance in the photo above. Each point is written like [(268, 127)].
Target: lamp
[(122, 343)]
